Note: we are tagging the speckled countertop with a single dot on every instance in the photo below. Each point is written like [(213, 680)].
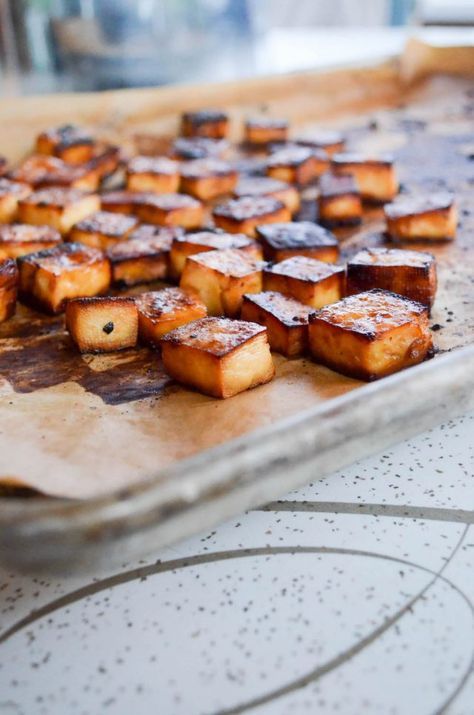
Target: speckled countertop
[(353, 595)]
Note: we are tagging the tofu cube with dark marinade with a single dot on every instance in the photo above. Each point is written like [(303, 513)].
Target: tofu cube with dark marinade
[(51, 277), (432, 218), (19, 239), (144, 257), (297, 164), (221, 278), (58, 207), (217, 356), (260, 131), (123, 202), (102, 324), (171, 210), (273, 188), (103, 229), (206, 179), (375, 177), (245, 214), (285, 319), (11, 193), (312, 282), (161, 311), (302, 238), (198, 148), (8, 288), (210, 123), (68, 142), (408, 273), (370, 335), (339, 202), (159, 175)]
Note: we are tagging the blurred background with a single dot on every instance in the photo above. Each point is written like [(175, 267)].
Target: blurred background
[(87, 45)]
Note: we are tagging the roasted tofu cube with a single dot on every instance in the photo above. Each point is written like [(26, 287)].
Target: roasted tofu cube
[(302, 238), (245, 214), (207, 179), (285, 319), (106, 160), (376, 178), (171, 210), (260, 131), (58, 208), (312, 282), (370, 335), (199, 148), (161, 311), (297, 164), (68, 142), (159, 175), (330, 141), (3, 166), (339, 202), (18, 239), (102, 325), (202, 241), (273, 188), (11, 192), (8, 288), (144, 257), (432, 218), (205, 123), (221, 278), (408, 273), (103, 229), (41, 171), (217, 356), (123, 202), (71, 270)]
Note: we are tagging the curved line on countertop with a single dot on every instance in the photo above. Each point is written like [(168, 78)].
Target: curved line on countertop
[(455, 516)]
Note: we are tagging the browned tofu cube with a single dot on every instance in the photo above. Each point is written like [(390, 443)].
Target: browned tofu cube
[(18, 239), (106, 160), (312, 282), (221, 278), (217, 356), (68, 142), (265, 130), (205, 123), (339, 201), (103, 229), (273, 188), (330, 141), (8, 288), (41, 171), (51, 277), (144, 257), (408, 273), (159, 175), (161, 311), (376, 178), (202, 241), (301, 238), (3, 166), (58, 208), (285, 319), (102, 325), (297, 164), (432, 218), (207, 179), (245, 214), (199, 148), (171, 210), (123, 202), (370, 335), (11, 192)]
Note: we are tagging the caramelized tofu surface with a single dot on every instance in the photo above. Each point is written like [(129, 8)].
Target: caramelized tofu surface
[(8, 288), (201, 241), (19, 239), (285, 319), (375, 177), (68, 142), (102, 325), (199, 148), (218, 357), (264, 130), (339, 201), (266, 186), (161, 311), (144, 257), (297, 164), (11, 193), (431, 217), (211, 123), (59, 208), (103, 229), (245, 214), (312, 282), (302, 238), (207, 179), (330, 141), (41, 171), (159, 175), (171, 210), (123, 202), (51, 277), (221, 278), (370, 335), (408, 273)]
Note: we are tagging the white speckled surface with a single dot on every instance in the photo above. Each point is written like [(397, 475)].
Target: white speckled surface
[(352, 595)]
